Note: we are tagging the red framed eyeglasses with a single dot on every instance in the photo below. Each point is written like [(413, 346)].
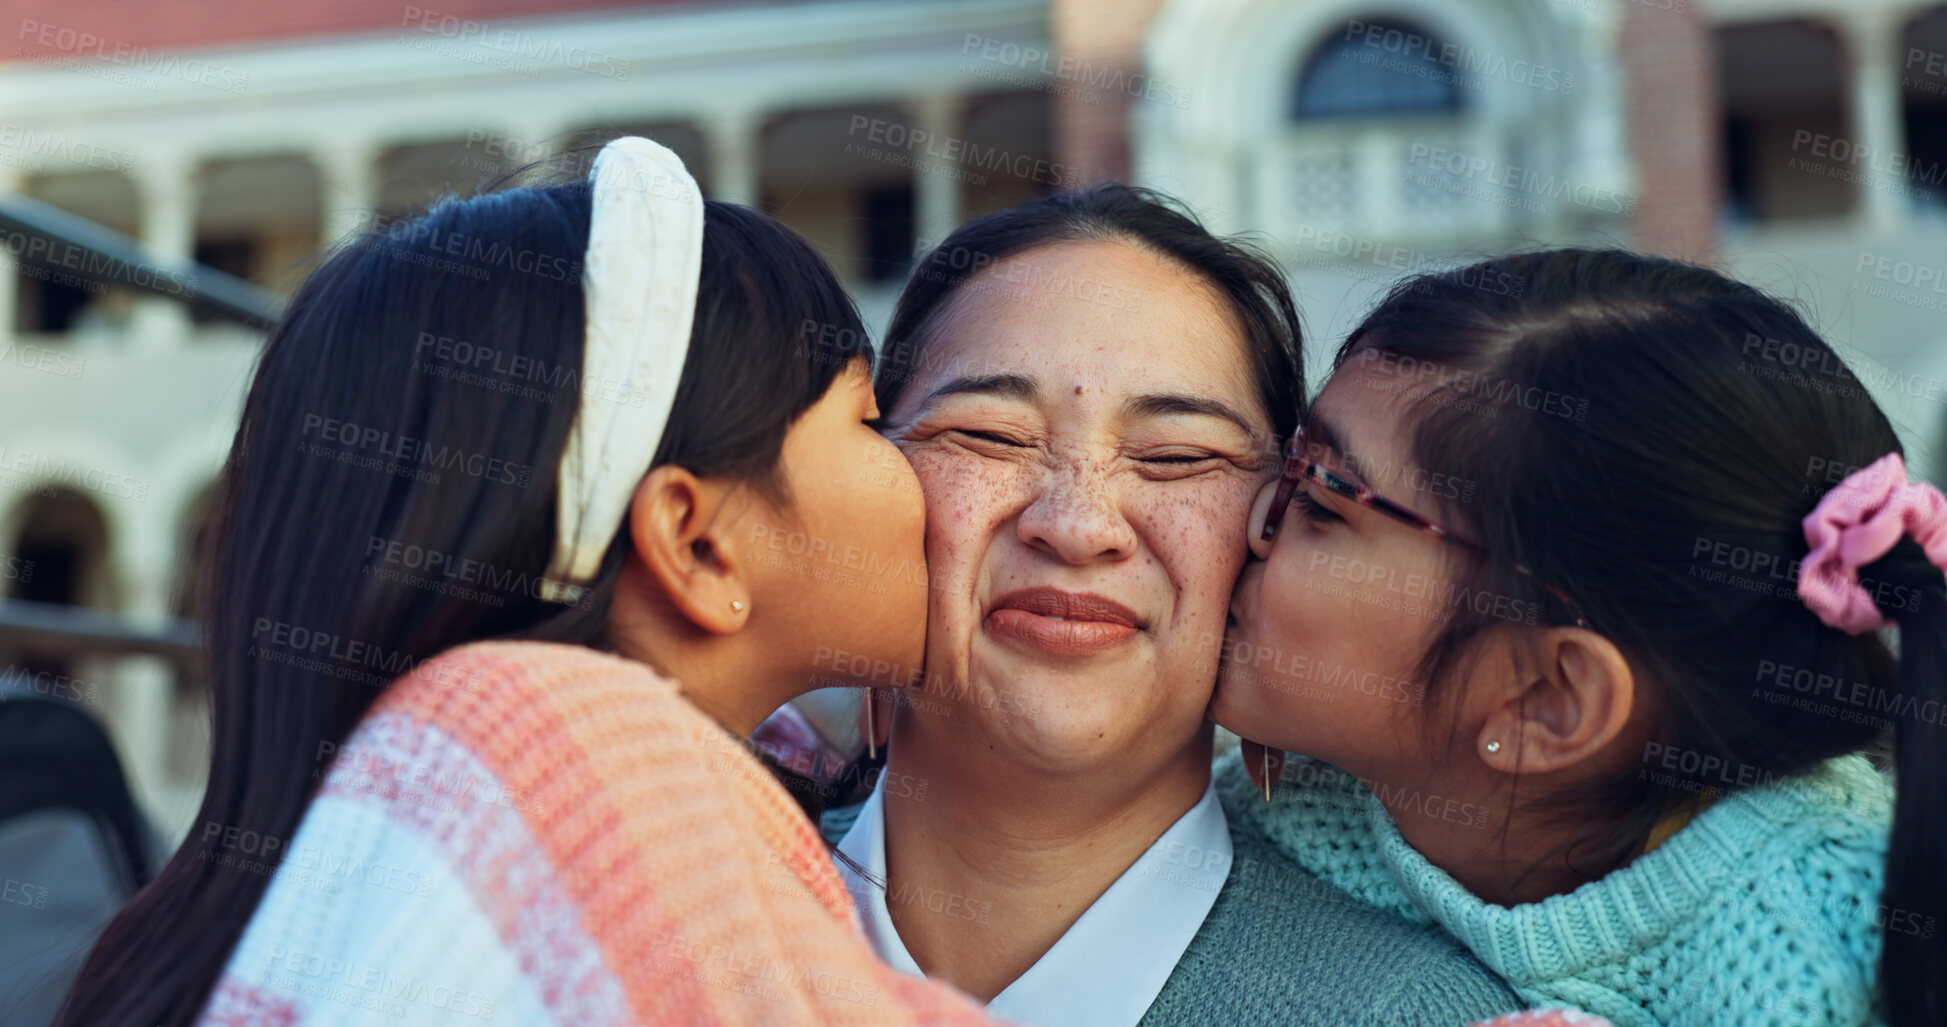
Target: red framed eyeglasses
[(1298, 467)]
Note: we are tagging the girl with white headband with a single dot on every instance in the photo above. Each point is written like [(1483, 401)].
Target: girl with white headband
[(541, 501), (1575, 603)]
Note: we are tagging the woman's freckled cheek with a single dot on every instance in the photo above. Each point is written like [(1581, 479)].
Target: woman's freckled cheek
[(961, 499)]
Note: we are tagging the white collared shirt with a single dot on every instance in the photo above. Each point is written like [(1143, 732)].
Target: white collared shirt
[(1113, 962)]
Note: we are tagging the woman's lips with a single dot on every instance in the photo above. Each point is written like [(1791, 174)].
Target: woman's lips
[(1062, 623)]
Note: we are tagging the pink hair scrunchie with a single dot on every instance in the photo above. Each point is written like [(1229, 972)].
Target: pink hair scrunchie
[(1859, 521), (1547, 1018)]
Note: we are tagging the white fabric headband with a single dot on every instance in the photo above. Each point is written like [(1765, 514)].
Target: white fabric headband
[(639, 281)]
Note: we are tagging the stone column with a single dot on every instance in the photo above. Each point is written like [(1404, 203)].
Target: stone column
[(167, 185), (936, 190), (1878, 132), (348, 189), (732, 137)]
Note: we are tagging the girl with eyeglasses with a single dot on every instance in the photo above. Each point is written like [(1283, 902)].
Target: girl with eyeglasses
[(1604, 628)]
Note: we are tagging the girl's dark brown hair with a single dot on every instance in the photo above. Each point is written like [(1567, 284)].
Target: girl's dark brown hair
[(1626, 422), (293, 530)]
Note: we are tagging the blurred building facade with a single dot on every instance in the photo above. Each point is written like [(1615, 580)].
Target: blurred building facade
[(1801, 143)]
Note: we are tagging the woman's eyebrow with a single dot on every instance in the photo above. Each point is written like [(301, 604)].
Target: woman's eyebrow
[(1162, 404), (1005, 386)]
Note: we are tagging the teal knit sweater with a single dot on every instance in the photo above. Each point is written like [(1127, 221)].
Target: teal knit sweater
[(1763, 910), (1280, 947)]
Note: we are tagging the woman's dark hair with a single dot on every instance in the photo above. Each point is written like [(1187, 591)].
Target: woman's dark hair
[(1252, 285), (412, 404), (1648, 435)]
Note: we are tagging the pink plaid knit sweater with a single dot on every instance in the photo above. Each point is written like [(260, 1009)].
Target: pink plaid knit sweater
[(530, 833)]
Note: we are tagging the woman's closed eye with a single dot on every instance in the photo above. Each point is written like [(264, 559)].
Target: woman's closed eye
[(993, 437), (1177, 457), (1174, 463)]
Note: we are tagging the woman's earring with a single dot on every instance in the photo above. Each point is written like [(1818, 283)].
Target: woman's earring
[(1266, 766), (871, 729), (868, 720), (1493, 747), (736, 606)]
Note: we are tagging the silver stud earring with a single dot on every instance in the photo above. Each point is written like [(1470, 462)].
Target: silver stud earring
[(1493, 747), (736, 606)]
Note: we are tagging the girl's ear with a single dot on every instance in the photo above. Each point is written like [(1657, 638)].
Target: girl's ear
[(685, 540), (1581, 702)]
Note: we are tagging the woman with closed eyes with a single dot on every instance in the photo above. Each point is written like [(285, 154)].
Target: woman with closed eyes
[(1090, 388)]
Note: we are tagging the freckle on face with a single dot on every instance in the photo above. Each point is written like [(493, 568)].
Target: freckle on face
[(1184, 564)]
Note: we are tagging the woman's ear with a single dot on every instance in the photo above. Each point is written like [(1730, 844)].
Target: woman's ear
[(1260, 510), (686, 541), (1581, 701)]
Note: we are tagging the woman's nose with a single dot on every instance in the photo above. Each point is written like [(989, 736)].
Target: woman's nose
[(1077, 518)]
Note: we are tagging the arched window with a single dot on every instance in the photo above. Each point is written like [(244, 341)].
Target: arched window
[(58, 558), (1376, 68)]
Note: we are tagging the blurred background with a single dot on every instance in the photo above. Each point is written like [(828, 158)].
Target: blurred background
[(170, 169)]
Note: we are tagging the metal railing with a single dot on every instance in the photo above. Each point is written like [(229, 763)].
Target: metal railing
[(44, 236)]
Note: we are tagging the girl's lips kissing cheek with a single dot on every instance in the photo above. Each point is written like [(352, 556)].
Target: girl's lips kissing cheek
[(1059, 623)]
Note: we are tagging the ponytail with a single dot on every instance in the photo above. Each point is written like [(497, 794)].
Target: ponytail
[(1913, 957), (1690, 396)]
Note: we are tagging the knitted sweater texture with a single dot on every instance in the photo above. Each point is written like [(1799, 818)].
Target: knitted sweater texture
[(1762, 911), (531, 833)]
